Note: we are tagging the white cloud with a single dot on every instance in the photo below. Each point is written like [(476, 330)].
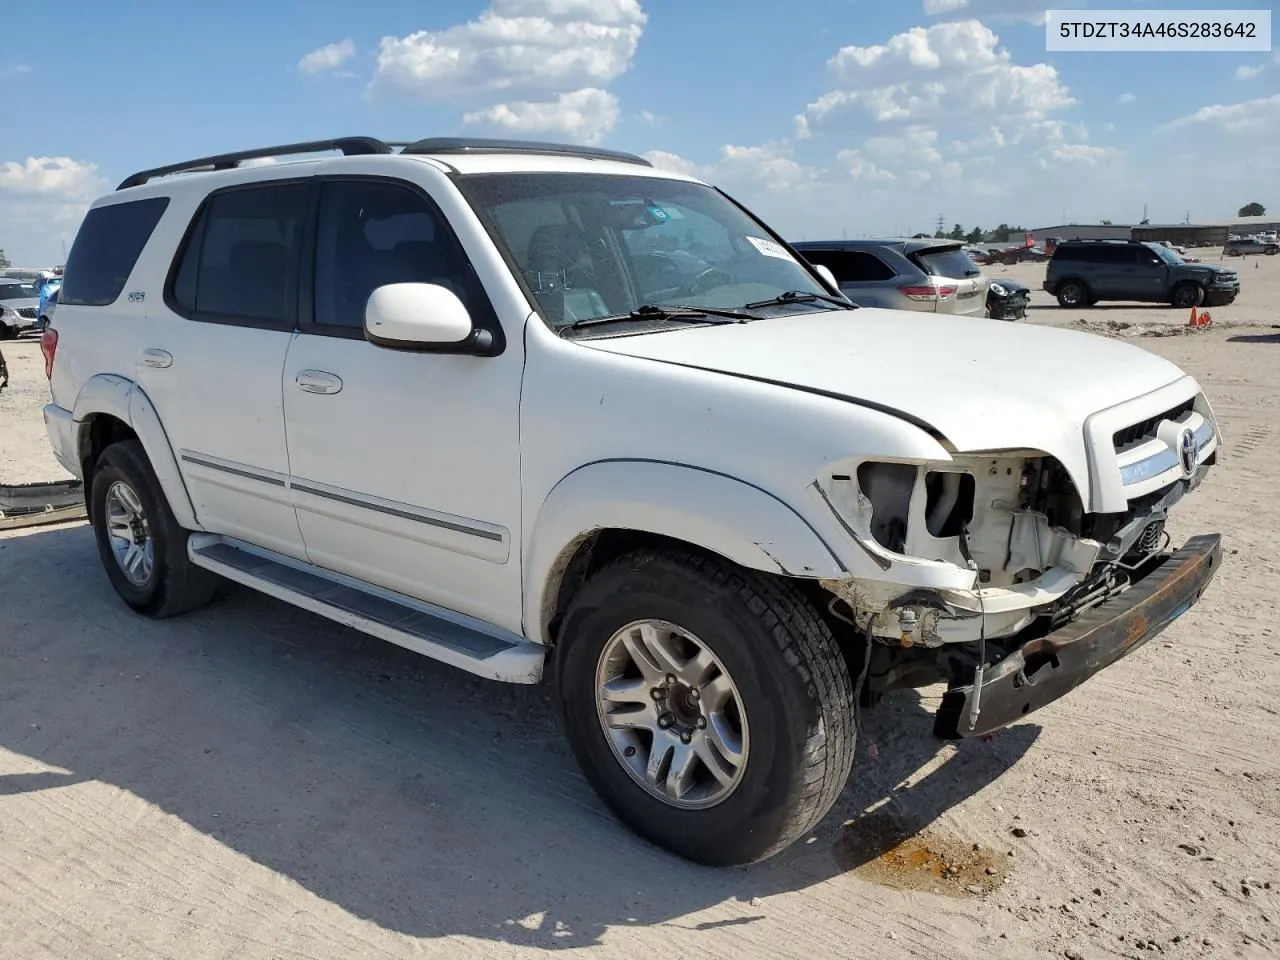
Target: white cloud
[(586, 116), (673, 162), (947, 70), (1253, 116), (42, 201), (770, 165), (515, 46), (57, 177), (1125, 98), (327, 57), (16, 70), (1028, 11), (1248, 73), (651, 118)]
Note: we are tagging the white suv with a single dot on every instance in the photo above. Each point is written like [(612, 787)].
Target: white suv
[(527, 409)]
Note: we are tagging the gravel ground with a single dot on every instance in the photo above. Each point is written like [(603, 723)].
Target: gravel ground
[(251, 781)]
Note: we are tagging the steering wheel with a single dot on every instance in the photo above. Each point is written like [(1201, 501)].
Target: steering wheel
[(703, 281)]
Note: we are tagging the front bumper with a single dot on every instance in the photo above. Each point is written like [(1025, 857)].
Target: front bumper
[(1049, 667)]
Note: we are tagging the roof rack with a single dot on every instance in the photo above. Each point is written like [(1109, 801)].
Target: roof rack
[(350, 146), (454, 145)]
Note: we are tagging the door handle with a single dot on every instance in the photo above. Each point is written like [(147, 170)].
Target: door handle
[(153, 357), (317, 381)]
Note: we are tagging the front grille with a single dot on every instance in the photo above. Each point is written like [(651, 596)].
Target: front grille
[(28, 312), (1147, 428)]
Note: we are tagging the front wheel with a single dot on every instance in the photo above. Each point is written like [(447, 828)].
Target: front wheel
[(1188, 295), (708, 706), (1072, 294)]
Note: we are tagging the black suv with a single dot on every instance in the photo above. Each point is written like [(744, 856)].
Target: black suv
[(1082, 272)]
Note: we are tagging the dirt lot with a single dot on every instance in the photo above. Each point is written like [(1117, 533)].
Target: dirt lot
[(251, 781)]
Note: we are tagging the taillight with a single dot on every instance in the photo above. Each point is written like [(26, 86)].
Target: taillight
[(928, 292), (49, 347)]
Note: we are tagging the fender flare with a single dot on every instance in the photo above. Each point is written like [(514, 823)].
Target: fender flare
[(742, 523), (122, 398)]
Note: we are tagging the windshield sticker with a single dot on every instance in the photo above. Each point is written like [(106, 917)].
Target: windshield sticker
[(657, 213), (769, 248)]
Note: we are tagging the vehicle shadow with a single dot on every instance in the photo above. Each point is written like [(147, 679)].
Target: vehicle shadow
[(1255, 338), (409, 794)]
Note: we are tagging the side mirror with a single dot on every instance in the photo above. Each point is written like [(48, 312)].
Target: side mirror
[(422, 316), (825, 273)]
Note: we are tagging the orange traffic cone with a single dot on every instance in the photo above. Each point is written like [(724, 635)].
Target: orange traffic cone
[(1195, 320)]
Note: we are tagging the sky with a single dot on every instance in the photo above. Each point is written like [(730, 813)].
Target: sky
[(826, 117)]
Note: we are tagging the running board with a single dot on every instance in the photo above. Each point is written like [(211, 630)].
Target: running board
[(452, 638)]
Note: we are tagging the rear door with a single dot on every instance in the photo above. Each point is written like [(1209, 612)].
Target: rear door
[(212, 356), (951, 266)]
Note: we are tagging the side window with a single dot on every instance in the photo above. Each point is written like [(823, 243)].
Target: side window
[(371, 234), (863, 267), (106, 249), (240, 260)]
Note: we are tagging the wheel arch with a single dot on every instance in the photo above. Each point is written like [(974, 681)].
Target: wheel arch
[(608, 508), (111, 408)]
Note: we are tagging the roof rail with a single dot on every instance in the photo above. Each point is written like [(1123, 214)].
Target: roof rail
[(454, 145), (350, 146)]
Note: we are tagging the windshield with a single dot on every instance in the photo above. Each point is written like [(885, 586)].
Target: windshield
[(1166, 254), (18, 291), (594, 245)]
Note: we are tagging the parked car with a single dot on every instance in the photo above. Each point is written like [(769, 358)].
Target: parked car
[(18, 302), (47, 304), (1023, 255), (934, 276), (476, 412), (1084, 272), (1007, 299), (1250, 245)]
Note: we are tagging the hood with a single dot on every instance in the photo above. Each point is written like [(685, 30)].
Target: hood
[(981, 384), (23, 304)]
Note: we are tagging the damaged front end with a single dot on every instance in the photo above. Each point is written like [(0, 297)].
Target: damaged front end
[(1026, 565)]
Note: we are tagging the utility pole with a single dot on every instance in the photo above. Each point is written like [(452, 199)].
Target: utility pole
[(942, 222)]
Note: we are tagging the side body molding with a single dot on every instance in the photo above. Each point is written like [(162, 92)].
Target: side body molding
[(742, 523), (116, 396)]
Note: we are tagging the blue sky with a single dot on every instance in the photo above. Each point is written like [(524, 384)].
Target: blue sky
[(825, 116)]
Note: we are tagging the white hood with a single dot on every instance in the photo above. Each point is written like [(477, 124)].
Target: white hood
[(983, 384)]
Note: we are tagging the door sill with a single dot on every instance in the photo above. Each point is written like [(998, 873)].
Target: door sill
[(453, 638)]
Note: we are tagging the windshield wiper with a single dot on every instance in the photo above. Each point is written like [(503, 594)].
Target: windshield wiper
[(800, 296), (651, 311)]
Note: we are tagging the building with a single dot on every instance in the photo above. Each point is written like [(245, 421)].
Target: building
[(1206, 233), (1083, 231)]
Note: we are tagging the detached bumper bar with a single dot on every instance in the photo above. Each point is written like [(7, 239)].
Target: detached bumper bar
[(1045, 669)]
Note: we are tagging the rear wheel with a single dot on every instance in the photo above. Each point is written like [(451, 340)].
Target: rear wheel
[(708, 706), (1188, 294), (1072, 294), (141, 544)]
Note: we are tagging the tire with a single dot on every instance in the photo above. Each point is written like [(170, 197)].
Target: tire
[(1072, 294), (164, 582), (7, 332), (1188, 294), (790, 686)]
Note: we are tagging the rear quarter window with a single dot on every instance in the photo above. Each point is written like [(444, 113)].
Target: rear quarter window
[(106, 249)]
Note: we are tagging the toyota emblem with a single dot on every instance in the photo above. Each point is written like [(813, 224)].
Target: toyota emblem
[(1187, 451)]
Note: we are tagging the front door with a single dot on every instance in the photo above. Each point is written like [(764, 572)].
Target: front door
[(213, 352), (405, 466)]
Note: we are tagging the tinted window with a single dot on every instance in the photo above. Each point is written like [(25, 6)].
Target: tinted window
[(18, 291), (240, 260), (106, 249), (851, 266), (371, 234), (953, 263)]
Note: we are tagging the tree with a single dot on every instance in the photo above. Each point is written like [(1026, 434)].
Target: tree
[(1252, 210), (957, 233), (4, 261), (974, 236)]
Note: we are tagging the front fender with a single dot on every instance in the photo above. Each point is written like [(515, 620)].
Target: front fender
[(740, 522), (109, 394)]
